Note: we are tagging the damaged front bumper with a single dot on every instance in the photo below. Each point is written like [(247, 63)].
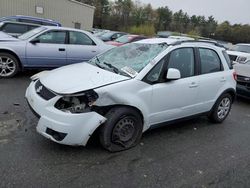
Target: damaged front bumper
[(62, 127)]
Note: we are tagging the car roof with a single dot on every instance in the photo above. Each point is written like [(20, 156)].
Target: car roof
[(158, 41), (243, 44), (63, 28), (170, 41)]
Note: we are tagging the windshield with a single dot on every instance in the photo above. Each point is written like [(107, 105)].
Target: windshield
[(31, 33), (124, 39), (242, 48), (128, 60)]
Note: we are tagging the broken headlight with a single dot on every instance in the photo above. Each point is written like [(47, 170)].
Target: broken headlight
[(77, 103)]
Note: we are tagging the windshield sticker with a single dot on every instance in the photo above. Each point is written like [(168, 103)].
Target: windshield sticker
[(131, 72)]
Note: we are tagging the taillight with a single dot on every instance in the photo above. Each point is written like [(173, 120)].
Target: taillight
[(235, 75)]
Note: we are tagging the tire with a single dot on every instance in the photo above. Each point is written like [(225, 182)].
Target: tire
[(9, 65), (122, 130), (221, 108)]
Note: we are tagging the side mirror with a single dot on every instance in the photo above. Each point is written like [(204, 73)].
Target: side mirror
[(35, 40), (173, 74)]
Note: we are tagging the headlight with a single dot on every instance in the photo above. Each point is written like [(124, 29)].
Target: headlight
[(77, 103), (241, 59)]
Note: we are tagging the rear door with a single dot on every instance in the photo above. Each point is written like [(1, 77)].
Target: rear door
[(211, 77), (81, 47), (49, 50)]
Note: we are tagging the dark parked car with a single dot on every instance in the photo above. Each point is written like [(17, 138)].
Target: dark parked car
[(16, 29), (30, 19)]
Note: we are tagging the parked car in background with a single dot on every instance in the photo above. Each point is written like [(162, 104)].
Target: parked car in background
[(242, 47), (126, 39), (243, 78), (111, 35), (16, 29), (130, 89), (47, 47), (30, 19), (238, 57)]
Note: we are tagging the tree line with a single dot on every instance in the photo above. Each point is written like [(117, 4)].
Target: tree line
[(135, 17)]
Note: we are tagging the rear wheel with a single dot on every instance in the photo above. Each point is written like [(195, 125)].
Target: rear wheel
[(221, 108), (9, 65), (122, 130)]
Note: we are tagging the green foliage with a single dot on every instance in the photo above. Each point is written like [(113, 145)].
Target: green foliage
[(147, 30), (135, 17)]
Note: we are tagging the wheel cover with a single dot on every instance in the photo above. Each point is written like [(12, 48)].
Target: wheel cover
[(224, 108), (7, 66), (124, 131)]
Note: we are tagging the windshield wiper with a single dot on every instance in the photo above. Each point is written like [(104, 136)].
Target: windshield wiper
[(99, 63), (115, 69)]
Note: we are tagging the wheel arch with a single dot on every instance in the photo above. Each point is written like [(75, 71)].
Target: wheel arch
[(103, 110), (230, 91), (14, 54)]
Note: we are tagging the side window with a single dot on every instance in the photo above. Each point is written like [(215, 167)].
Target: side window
[(15, 28), (53, 37), (79, 38), (183, 60), (210, 61)]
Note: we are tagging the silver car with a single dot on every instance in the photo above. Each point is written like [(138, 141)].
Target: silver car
[(47, 47)]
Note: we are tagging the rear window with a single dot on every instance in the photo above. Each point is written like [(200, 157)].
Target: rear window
[(229, 62)]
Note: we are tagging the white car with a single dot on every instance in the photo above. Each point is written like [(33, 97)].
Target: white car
[(129, 89), (240, 53), (243, 79)]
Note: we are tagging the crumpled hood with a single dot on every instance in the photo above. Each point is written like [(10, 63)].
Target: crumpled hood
[(77, 78), (5, 37)]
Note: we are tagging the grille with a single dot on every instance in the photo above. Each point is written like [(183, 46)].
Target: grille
[(43, 92), (233, 57)]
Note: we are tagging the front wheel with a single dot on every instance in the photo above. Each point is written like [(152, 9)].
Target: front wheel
[(9, 65), (221, 108), (122, 130)]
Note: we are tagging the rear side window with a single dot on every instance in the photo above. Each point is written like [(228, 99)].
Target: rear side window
[(229, 62), (210, 61), (30, 21), (15, 28), (79, 38)]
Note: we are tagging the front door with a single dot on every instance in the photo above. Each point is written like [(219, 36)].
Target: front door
[(174, 99), (48, 50)]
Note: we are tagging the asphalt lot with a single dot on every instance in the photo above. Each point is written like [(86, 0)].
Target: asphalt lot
[(193, 153)]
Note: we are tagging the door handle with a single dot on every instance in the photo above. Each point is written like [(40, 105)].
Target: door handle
[(93, 51), (193, 85), (61, 49)]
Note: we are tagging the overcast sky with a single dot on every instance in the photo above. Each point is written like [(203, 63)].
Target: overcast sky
[(235, 11)]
